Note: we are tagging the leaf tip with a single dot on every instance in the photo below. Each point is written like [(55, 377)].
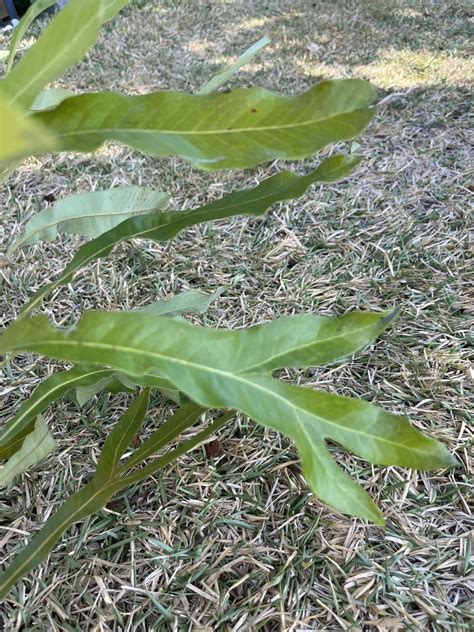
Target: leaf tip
[(390, 315)]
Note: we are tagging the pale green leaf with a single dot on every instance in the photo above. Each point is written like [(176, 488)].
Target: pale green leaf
[(222, 77), (188, 302), (3, 54), (164, 226), (225, 369), (223, 130), (49, 99), (109, 383), (63, 43), (119, 383), (35, 447), (90, 214), (20, 136)]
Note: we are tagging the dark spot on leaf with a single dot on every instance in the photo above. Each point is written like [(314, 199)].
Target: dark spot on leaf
[(253, 110)]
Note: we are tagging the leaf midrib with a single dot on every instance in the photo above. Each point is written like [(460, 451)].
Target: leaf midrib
[(200, 367), (299, 348), (220, 131)]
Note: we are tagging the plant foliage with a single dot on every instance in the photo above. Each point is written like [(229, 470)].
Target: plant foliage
[(154, 348)]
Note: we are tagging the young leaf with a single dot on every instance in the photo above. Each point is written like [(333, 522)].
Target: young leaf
[(110, 384), (188, 302), (222, 77), (35, 448), (223, 130), (63, 43), (20, 136), (164, 226), (90, 214), (224, 376), (119, 383)]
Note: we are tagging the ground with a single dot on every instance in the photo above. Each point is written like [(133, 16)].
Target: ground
[(237, 542)]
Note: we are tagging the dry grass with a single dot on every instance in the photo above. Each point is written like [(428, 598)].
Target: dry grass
[(238, 542)]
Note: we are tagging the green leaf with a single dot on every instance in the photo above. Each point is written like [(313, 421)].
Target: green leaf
[(90, 499), (122, 434), (90, 214), (230, 373), (188, 302), (222, 77), (20, 136), (109, 9), (223, 130), (63, 43), (34, 10), (14, 431), (49, 99), (3, 54), (35, 448), (164, 226)]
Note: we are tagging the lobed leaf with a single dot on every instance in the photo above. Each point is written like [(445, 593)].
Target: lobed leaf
[(164, 226), (223, 130), (35, 448), (226, 369), (63, 43), (90, 214)]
